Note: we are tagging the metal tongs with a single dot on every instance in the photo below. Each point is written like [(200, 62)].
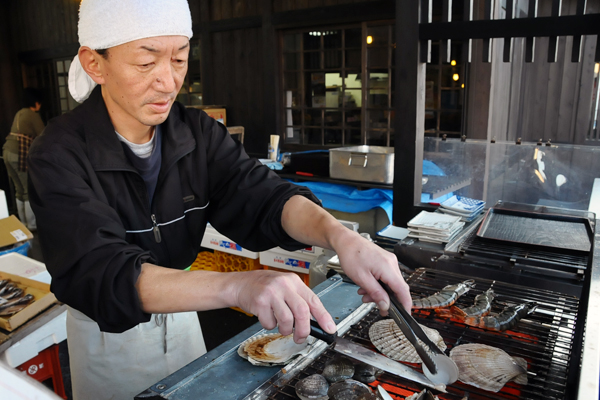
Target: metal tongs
[(437, 366)]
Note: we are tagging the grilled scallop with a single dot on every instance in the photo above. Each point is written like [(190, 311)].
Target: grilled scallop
[(488, 367), (272, 349), (387, 337)]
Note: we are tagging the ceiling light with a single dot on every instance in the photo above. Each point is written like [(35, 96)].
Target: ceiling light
[(369, 39)]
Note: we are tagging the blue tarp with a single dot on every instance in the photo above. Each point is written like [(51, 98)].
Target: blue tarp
[(349, 199)]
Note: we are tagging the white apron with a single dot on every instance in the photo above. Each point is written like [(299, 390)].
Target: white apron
[(120, 365)]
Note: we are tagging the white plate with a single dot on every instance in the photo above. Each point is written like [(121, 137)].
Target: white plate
[(433, 221)]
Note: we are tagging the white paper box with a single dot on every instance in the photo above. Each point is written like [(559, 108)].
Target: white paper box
[(298, 261), (212, 239), (31, 345)]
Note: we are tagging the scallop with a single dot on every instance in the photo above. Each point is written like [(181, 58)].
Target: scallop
[(338, 369), (387, 337), (488, 367), (272, 349), (313, 387), (366, 373), (350, 390)]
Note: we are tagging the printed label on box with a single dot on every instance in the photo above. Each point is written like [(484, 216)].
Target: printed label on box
[(230, 245), (19, 235), (297, 263)]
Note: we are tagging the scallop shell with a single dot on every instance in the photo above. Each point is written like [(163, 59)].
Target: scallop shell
[(350, 390), (488, 367), (272, 349), (313, 387), (387, 337), (338, 369)]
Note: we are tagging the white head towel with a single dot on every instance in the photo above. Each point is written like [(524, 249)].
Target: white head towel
[(108, 23)]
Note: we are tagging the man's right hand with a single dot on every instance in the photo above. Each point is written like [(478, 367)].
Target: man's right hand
[(281, 299)]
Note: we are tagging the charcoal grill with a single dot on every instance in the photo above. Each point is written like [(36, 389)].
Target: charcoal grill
[(560, 364)]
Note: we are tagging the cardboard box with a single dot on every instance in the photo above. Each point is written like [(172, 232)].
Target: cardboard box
[(216, 112), (42, 299), (13, 231), (212, 239), (297, 261)]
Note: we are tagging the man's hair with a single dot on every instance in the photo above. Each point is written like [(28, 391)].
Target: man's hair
[(31, 96), (103, 53)]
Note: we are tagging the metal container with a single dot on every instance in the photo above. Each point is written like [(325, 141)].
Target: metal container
[(362, 163)]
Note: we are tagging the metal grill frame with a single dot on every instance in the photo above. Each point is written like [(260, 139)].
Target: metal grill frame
[(549, 355)]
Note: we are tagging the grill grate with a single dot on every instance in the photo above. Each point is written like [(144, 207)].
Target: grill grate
[(544, 339), (564, 260)]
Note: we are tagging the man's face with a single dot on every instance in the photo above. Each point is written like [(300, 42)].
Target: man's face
[(142, 79)]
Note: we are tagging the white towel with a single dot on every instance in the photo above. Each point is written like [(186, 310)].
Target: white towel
[(107, 23)]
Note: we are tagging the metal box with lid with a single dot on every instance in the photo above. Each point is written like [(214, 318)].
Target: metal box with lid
[(362, 163)]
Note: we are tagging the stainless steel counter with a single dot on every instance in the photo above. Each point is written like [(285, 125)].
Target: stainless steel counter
[(223, 374)]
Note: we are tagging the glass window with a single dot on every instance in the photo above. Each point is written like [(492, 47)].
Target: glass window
[(326, 83)]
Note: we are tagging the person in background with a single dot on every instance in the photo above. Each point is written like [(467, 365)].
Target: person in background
[(26, 126)]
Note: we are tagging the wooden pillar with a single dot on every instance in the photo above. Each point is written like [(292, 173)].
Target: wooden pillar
[(409, 122), (206, 72), (270, 74)]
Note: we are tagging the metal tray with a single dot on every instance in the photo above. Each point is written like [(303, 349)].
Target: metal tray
[(362, 163), (540, 230)]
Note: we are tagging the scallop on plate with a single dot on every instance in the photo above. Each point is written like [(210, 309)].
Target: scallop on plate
[(273, 349)]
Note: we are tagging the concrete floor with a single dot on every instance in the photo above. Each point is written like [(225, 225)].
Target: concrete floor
[(218, 326)]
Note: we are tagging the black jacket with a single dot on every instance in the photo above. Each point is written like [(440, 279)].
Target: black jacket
[(95, 221)]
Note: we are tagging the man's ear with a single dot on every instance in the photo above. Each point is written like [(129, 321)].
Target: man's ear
[(91, 63)]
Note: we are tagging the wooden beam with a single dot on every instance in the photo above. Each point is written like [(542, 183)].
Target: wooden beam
[(488, 15), (206, 71), (339, 14), (270, 73), (530, 40), (426, 14), (508, 41), (410, 113), (578, 39), (33, 56), (553, 39), (446, 44), (467, 44), (231, 24), (567, 25)]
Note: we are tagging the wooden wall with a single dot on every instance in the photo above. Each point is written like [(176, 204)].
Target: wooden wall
[(9, 75), (240, 66), (37, 25), (541, 99)]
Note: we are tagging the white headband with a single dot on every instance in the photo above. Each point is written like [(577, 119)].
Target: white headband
[(107, 23)]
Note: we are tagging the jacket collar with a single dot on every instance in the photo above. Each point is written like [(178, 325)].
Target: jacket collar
[(105, 151)]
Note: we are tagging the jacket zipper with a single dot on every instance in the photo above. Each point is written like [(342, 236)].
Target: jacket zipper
[(155, 229)]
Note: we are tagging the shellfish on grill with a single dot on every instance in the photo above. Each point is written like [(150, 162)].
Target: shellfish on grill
[(350, 390), (338, 369), (366, 373), (387, 337), (488, 367), (423, 395), (272, 349), (313, 387)]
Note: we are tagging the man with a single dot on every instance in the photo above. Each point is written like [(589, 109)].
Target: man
[(123, 187)]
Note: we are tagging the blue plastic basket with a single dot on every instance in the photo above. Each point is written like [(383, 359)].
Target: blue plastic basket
[(21, 248)]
